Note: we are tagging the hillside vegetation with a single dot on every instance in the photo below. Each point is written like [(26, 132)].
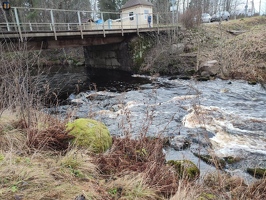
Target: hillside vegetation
[(239, 46)]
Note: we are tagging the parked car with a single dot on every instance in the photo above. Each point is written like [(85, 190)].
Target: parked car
[(205, 18), (224, 15)]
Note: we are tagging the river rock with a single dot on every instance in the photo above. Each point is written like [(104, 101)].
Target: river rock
[(257, 172), (177, 48), (209, 68), (185, 169), (212, 160), (179, 142)]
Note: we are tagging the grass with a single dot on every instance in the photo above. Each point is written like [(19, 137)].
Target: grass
[(131, 169), (240, 56)]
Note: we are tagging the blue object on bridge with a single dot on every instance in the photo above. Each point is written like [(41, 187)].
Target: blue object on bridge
[(6, 5), (99, 21), (109, 23)]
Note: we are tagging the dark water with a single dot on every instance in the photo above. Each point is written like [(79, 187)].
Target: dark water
[(114, 80), (67, 80)]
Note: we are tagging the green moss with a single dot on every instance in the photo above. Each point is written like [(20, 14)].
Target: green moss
[(231, 159), (206, 196), (2, 157), (252, 82), (217, 162), (185, 168), (257, 172), (139, 48), (90, 134)]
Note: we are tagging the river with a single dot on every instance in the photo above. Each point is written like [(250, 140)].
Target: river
[(221, 117)]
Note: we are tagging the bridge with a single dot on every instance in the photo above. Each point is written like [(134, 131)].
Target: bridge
[(56, 28), (108, 38)]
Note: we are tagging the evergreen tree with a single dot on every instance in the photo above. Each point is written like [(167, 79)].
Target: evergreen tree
[(110, 6)]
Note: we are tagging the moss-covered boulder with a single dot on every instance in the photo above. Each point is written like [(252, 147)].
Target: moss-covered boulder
[(90, 134), (185, 169), (257, 172)]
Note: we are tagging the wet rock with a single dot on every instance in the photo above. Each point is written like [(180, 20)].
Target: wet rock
[(212, 160), (80, 197), (199, 136), (257, 172), (231, 159), (185, 169), (202, 78), (179, 142), (77, 102), (185, 77), (209, 68), (252, 82)]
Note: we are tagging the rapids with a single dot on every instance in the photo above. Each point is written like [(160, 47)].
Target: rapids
[(229, 116)]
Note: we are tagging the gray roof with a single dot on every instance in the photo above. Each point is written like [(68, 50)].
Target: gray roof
[(132, 3)]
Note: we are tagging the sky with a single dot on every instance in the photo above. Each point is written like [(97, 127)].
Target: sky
[(257, 5), (241, 7)]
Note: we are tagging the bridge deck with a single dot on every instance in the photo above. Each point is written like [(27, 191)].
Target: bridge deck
[(78, 33), (19, 23)]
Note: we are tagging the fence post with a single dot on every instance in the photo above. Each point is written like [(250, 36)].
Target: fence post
[(18, 24), (53, 24)]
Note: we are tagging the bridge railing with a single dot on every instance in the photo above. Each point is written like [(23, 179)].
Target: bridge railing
[(23, 20)]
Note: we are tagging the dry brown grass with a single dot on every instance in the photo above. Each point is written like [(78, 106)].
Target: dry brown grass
[(242, 56), (143, 155), (44, 176), (132, 169)]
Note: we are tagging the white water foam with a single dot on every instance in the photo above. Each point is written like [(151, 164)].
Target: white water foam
[(228, 139)]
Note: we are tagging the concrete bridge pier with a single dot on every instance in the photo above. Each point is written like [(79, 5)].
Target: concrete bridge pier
[(109, 56)]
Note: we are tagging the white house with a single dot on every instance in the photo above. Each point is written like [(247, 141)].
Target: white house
[(135, 14)]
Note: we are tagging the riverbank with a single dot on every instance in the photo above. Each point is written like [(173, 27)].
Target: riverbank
[(38, 162), (79, 174)]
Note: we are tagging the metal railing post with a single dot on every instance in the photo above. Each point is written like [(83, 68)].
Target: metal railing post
[(30, 26), (18, 24), (103, 25), (7, 24), (157, 18), (122, 29), (80, 27), (137, 20), (53, 24)]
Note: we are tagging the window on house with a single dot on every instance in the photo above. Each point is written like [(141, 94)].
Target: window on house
[(146, 13), (131, 14)]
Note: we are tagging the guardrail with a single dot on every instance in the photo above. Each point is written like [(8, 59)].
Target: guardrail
[(22, 20)]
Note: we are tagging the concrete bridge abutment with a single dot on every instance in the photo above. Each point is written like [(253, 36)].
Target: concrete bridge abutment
[(127, 55), (116, 56)]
